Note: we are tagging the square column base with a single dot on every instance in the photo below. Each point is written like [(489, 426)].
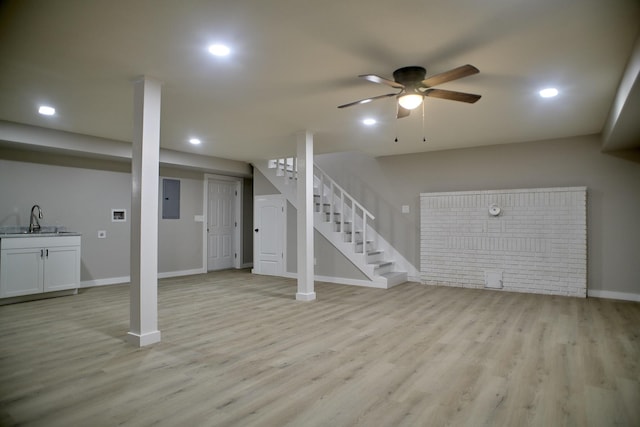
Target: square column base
[(305, 297), (144, 339)]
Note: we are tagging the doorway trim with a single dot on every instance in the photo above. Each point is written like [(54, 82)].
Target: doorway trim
[(237, 234)]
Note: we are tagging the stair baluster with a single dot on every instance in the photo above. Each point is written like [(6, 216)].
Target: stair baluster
[(342, 212)]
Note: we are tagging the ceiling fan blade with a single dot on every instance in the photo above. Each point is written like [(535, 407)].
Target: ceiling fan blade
[(402, 112), (367, 100), (447, 76), (452, 95), (377, 79)]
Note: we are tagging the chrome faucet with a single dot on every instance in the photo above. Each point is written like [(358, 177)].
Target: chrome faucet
[(34, 224)]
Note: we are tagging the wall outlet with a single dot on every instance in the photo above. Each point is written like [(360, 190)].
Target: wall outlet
[(406, 209), (102, 234)]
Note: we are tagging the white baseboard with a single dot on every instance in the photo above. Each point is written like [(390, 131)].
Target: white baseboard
[(127, 279), (339, 280), (141, 340), (179, 273), (352, 282), (105, 282), (613, 295), (311, 296)]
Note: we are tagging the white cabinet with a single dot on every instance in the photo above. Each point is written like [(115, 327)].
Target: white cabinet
[(21, 272), (32, 265)]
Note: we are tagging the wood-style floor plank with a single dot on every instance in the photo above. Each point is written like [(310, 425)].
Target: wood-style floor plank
[(238, 350)]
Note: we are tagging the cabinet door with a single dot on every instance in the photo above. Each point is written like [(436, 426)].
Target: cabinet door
[(61, 268), (21, 272)]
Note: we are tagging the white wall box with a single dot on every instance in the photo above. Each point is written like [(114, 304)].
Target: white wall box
[(170, 198), (37, 265), (118, 215)]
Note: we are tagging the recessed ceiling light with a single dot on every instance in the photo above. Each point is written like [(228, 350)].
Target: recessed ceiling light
[(369, 122), (219, 50), (195, 141), (46, 111), (549, 92)]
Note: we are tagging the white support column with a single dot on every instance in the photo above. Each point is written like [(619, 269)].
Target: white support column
[(304, 145), (144, 213)]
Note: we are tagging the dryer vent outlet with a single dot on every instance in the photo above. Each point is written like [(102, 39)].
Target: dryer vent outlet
[(493, 279)]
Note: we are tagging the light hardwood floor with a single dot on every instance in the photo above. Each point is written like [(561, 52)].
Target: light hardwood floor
[(238, 350)]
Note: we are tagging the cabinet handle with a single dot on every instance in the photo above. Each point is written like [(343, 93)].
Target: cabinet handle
[(47, 253), (41, 253)]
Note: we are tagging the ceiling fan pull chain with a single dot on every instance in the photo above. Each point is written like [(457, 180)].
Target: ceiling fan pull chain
[(396, 129), (424, 137)]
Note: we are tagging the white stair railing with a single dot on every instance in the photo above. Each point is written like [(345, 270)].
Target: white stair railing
[(345, 222), (286, 167), (340, 202)]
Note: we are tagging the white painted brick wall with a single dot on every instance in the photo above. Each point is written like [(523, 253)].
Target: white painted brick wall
[(538, 242)]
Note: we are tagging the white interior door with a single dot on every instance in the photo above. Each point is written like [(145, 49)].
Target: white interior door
[(268, 235), (221, 224)]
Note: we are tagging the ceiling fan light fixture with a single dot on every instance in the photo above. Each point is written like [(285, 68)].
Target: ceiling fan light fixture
[(413, 87), (410, 101)]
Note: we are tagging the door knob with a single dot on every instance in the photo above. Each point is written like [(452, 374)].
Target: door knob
[(256, 230)]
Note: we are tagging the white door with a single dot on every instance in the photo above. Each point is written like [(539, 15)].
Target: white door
[(268, 235), (221, 224)]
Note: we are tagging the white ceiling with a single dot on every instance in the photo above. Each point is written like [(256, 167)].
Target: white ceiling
[(294, 61)]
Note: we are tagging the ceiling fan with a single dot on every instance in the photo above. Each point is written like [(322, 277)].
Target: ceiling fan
[(414, 87)]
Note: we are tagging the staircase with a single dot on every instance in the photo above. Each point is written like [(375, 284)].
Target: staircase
[(342, 221)]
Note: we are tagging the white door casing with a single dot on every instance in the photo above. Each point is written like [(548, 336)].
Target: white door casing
[(222, 224), (269, 234)]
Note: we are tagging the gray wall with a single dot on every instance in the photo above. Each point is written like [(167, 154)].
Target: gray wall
[(76, 193), (261, 185), (384, 184), (180, 240), (79, 193), (329, 261)]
